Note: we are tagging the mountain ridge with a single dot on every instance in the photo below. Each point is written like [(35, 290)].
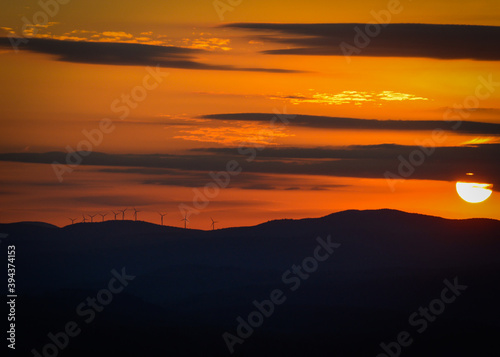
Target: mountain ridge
[(385, 264), (350, 212)]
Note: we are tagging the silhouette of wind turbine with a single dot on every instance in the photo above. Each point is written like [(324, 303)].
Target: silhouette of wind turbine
[(72, 220), (135, 213), (123, 213), (116, 214), (103, 215), (213, 223), (92, 217), (84, 219), (162, 215), (185, 221)]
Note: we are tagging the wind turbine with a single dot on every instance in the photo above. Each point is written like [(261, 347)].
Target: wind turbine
[(162, 215), (123, 213), (72, 220), (103, 215), (92, 217), (186, 220), (213, 223), (135, 213), (84, 219), (116, 214)]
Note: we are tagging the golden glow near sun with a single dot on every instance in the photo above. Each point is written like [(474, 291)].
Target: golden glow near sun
[(474, 192)]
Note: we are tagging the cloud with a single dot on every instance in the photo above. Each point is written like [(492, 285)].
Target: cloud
[(482, 140), (126, 54), (373, 161), (324, 122), (251, 133), (6, 31), (95, 36), (246, 180), (117, 34), (350, 97), (363, 161), (339, 98), (394, 40), (209, 44)]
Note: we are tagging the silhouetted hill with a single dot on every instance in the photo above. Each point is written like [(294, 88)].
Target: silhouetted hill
[(191, 285)]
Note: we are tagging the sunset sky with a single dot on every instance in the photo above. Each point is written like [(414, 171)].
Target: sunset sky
[(246, 111)]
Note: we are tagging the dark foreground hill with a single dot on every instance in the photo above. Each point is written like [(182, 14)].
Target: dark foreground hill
[(339, 285)]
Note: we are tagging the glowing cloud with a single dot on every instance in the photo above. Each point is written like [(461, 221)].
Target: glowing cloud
[(250, 134), (350, 97)]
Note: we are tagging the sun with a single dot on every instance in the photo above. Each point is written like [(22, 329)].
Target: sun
[(473, 192)]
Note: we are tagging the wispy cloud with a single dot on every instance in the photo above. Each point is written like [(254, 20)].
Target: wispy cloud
[(202, 40), (253, 133), (482, 140)]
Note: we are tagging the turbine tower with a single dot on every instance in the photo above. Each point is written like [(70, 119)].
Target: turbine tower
[(103, 215), (135, 213), (116, 214), (84, 220), (72, 220), (162, 215), (213, 223), (186, 220), (123, 213), (92, 217)]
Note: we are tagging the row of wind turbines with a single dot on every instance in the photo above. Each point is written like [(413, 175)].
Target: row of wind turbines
[(122, 211)]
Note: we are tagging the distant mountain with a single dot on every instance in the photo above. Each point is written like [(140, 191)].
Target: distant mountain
[(353, 291)]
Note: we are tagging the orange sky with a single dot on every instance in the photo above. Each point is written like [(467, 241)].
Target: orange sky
[(48, 99)]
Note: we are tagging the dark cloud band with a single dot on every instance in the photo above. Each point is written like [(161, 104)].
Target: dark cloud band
[(324, 122), (371, 161), (391, 40), (126, 54)]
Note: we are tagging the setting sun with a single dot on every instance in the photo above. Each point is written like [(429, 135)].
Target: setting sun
[(474, 192)]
